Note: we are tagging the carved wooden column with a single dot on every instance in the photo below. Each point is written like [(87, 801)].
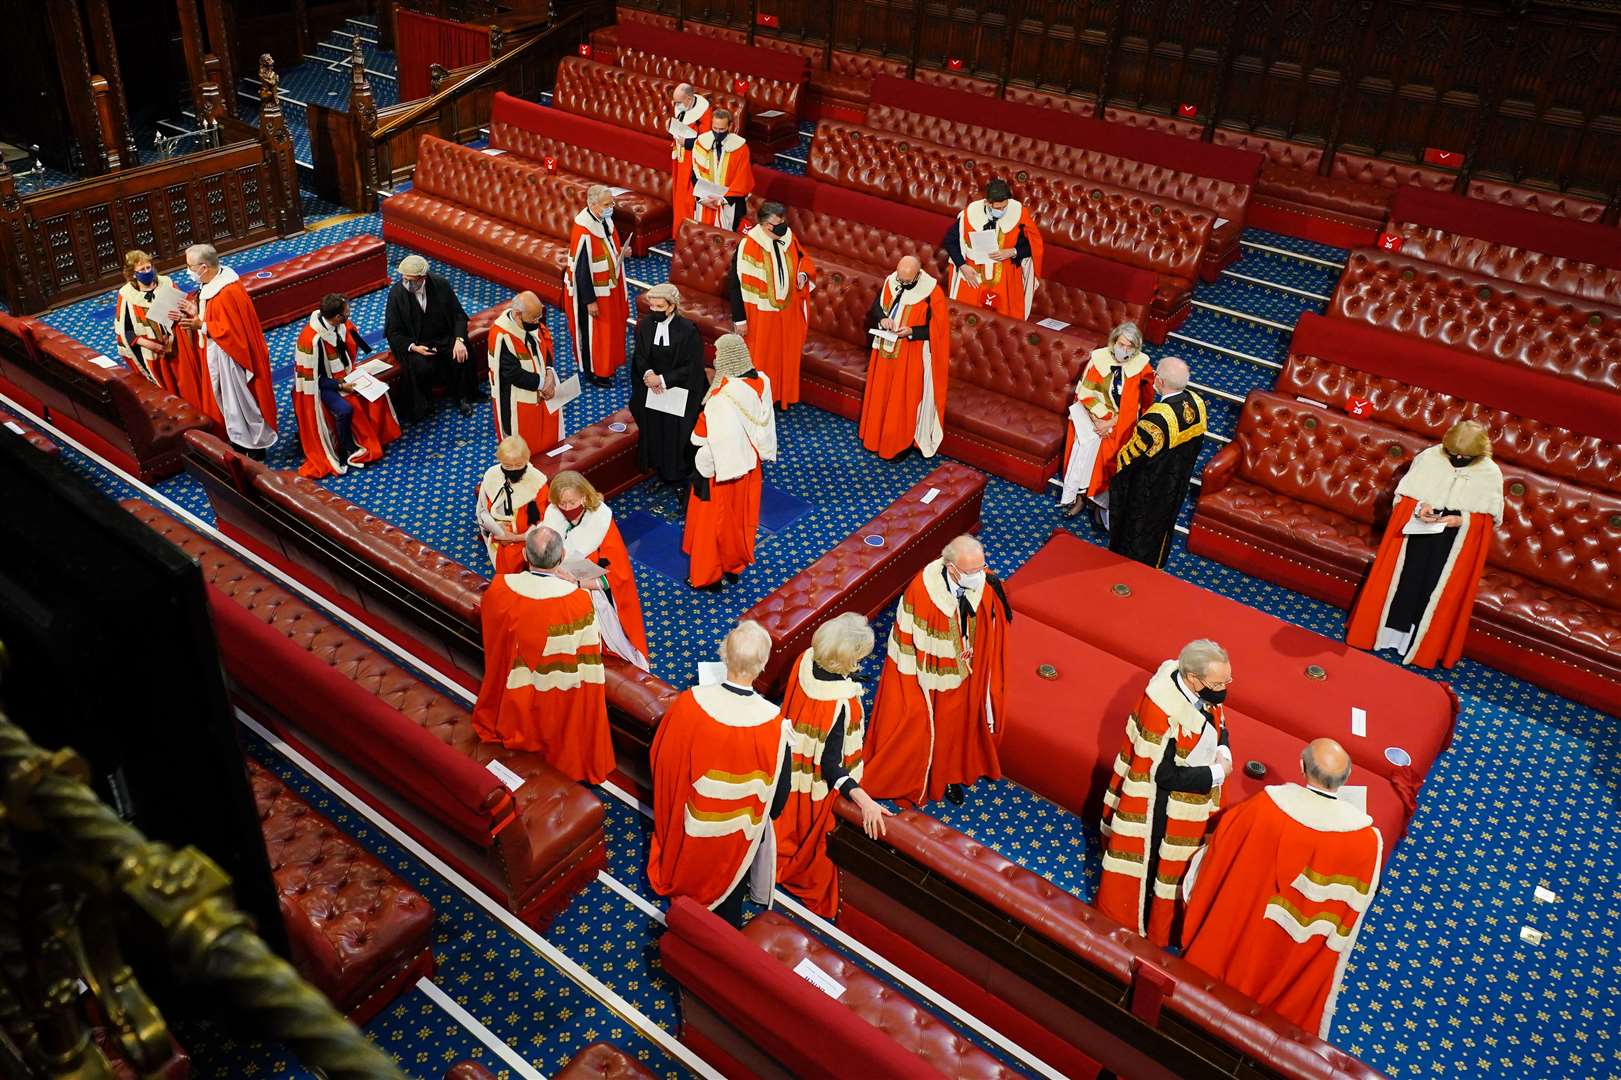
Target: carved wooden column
[(112, 153), (191, 43), (73, 64), (1224, 72), (220, 20), (106, 50), (363, 121), (278, 145), (301, 27), (1106, 80), (20, 284)]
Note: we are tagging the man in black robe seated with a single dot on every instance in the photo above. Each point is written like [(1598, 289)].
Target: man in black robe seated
[(1153, 468), (427, 332), (668, 355)]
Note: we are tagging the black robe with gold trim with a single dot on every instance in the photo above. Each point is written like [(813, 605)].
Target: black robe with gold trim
[(1151, 477)]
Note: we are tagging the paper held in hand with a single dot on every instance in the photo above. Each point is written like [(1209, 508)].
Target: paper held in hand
[(983, 243), (581, 570), (566, 391), (680, 131), (166, 306), (885, 336), (1418, 527), (708, 189), (672, 401), (367, 386), (711, 672)]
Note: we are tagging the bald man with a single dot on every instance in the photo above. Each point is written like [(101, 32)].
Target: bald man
[(1153, 467), (522, 375), (904, 403), (939, 716), (1277, 897), (690, 119)]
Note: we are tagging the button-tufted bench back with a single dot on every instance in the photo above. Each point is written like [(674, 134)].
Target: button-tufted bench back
[(627, 98)]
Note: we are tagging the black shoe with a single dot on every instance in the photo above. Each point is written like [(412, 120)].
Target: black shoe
[(731, 578), (713, 586), (465, 408), (954, 794), (1096, 513)]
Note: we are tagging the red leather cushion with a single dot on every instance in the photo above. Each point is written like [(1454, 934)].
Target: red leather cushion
[(1306, 188), (1574, 241), (626, 98), (1280, 152), (603, 1061), (1168, 125), (1556, 203), (1390, 174), (292, 288)]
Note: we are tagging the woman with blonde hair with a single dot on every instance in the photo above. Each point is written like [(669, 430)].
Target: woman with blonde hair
[(1419, 595), (146, 345), (577, 513), (1116, 388), (667, 360), (826, 725)]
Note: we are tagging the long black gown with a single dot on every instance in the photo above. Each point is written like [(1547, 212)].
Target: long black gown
[(1152, 477), (666, 441)]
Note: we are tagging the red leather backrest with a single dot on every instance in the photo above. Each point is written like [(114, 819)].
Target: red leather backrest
[(504, 187), (1515, 324), (1587, 281), (703, 258), (628, 98), (71, 353), (1167, 125), (955, 80), (1391, 174), (577, 159), (1024, 95), (719, 33), (861, 65), (1278, 152), (763, 93), (1544, 202), (635, 14), (602, 1061), (1560, 535), (1321, 457)]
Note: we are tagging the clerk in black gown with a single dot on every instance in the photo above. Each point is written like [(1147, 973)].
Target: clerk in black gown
[(668, 354)]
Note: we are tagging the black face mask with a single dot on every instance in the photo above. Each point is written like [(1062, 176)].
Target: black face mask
[(1212, 697), (531, 326), (1461, 461), (513, 475), (908, 284), (662, 315), (780, 228)]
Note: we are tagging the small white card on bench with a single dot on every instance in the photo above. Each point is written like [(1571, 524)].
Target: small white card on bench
[(13, 426), (507, 777), (818, 978), (103, 361), (1053, 324), (930, 495), (562, 448), (493, 152)]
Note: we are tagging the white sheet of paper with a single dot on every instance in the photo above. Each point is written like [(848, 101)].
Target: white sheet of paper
[(1415, 527), (768, 114), (366, 386), (1359, 722), (165, 306), (673, 401), (818, 978), (679, 130), (884, 335), (617, 191), (1053, 324), (1356, 795), (492, 152), (581, 570), (1545, 895), (12, 425), (1219, 223), (510, 779), (1531, 936), (1311, 401), (984, 243), (567, 391), (375, 366), (103, 361), (708, 189), (929, 496), (561, 448), (711, 672)]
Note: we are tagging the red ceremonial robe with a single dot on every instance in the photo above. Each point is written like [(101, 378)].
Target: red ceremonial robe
[(1089, 461), (595, 538), (735, 433), (595, 275), (372, 424), (543, 684), (519, 361), (938, 717), (696, 116), (716, 759), (905, 399), (1428, 624), (233, 364), (812, 708), (1008, 287), (1158, 805), (1278, 897), (774, 305), (723, 160), (145, 346), (516, 508)]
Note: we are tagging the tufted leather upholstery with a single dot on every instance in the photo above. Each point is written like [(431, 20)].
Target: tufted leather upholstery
[(764, 94), (1292, 187), (116, 410), (1585, 281), (26, 431), (1364, 169), (599, 1061), (1169, 125), (855, 576), (604, 451), (627, 98), (1047, 99), (291, 289), (531, 848), (863, 65), (1166, 238), (1279, 152), (1509, 323), (354, 927), (1556, 203), (719, 33)]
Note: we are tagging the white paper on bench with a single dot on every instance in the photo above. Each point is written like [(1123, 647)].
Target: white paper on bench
[(617, 191), (818, 978), (12, 425), (493, 153), (562, 449), (507, 777), (1359, 722), (1053, 324), (376, 366), (102, 361), (930, 495), (711, 672), (768, 114), (1219, 223)]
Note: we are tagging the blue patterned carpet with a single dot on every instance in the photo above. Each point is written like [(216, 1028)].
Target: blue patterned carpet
[(1440, 985)]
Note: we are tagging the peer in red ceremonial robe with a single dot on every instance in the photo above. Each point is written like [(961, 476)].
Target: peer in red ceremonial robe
[(1114, 391), (718, 759), (691, 112), (595, 300), (1278, 895), (938, 719), (576, 512), (522, 375), (337, 426), (512, 499), (1165, 788), (147, 346), (769, 288), (736, 433), (1420, 594), (905, 400), (995, 252), (543, 686), (720, 157), (231, 357)]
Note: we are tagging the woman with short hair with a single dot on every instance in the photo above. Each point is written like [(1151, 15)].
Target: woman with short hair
[(1115, 390), (146, 345), (576, 512)]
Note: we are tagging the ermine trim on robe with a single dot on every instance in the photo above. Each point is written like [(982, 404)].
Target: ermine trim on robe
[(564, 639)]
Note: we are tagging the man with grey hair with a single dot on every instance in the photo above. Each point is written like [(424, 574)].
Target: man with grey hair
[(1153, 467), (1278, 893), (543, 687), (938, 719), (595, 300), (226, 345), (718, 761), (426, 328), (1165, 788), (691, 119)]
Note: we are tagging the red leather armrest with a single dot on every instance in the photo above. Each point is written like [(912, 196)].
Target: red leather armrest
[(1218, 471)]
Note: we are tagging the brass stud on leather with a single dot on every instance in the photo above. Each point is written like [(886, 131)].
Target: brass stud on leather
[(1517, 488), (1615, 523), (1309, 423), (1120, 588), (1316, 672), (1021, 176), (1047, 671), (1155, 211), (1034, 339), (838, 275), (973, 320), (1483, 293), (1409, 274), (1097, 196), (1395, 451), (1595, 320)]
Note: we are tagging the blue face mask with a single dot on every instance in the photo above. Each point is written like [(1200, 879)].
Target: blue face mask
[(147, 277)]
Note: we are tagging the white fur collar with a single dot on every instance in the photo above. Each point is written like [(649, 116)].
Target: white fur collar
[(582, 539), (733, 710), (918, 293), (695, 112), (1186, 719), (823, 689), (533, 483), (1103, 359), (220, 280), (592, 224), (978, 211), (934, 580), (1432, 479), (1317, 812), (330, 335)]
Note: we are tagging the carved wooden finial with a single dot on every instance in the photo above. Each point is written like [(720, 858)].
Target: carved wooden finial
[(362, 106), (267, 74)]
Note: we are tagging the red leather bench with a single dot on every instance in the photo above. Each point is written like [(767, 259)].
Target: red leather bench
[(1173, 170), (501, 217), (599, 1061), (408, 750), (98, 401), (27, 432), (629, 99), (1578, 259), (1557, 203), (357, 932), (1166, 238), (745, 1010), (1179, 126), (1300, 497), (592, 152), (605, 452), (1519, 325), (289, 290), (859, 576), (1010, 382), (1093, 295)]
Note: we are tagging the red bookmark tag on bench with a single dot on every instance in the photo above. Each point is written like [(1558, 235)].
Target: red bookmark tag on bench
[(766, 20), (1389, 241), (550, 163), (1359, 406), (585, 50), (1186, 110), (1447, 159), (740, 86), (953, 64)]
